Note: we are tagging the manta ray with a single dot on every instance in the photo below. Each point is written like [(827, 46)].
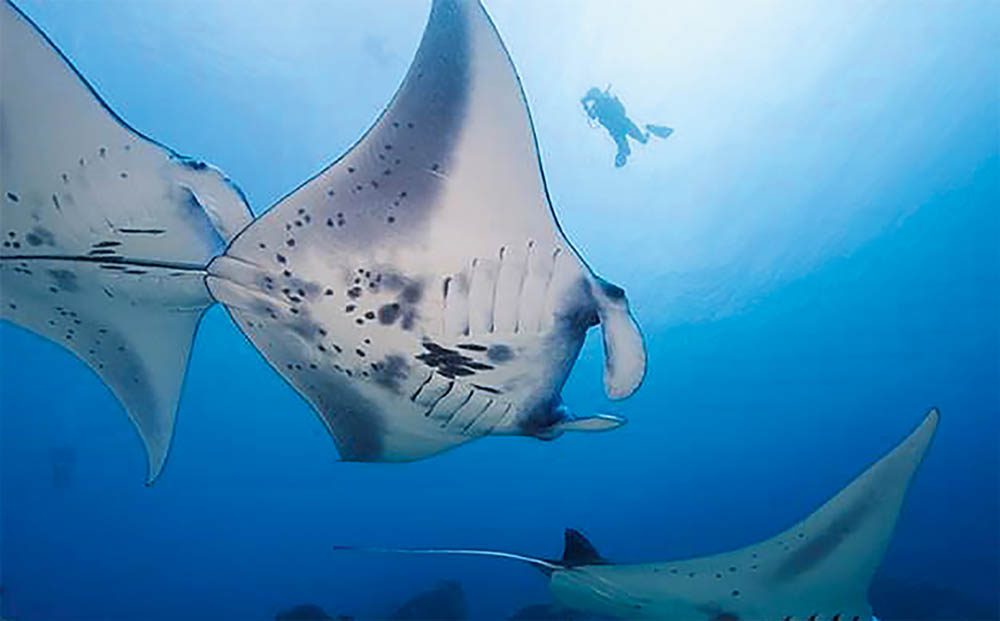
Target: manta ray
[(418, 292), (818, 570)]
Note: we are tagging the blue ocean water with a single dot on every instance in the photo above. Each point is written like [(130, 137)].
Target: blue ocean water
[(813, 256)]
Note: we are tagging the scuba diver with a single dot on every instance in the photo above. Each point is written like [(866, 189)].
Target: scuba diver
[(608, 110)]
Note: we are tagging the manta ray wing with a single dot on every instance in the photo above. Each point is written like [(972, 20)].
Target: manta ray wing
[(419, 292), (820, 568), (105, 233)]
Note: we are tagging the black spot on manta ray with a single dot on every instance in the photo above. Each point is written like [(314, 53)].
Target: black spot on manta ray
[(499, 353), (388, 314)]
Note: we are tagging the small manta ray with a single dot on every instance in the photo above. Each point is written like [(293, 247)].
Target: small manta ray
[(419, 292), (818, 570)]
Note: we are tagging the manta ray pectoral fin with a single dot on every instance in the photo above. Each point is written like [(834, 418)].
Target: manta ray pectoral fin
[(624, 351), (848, 535), (824, 564), (105, 234)]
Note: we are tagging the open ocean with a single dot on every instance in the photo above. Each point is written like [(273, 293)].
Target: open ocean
[(813, 257)]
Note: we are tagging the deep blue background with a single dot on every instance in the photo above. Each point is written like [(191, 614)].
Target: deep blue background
[(813, 256)]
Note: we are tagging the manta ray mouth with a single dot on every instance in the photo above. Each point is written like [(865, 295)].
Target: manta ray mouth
[(117, 261)]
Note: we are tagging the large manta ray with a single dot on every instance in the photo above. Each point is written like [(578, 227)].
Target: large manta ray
[(818, 570), (418, 292)]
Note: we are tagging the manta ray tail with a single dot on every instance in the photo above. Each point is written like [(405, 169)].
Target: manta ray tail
[(536, 562), (105, 233), (577, 550)]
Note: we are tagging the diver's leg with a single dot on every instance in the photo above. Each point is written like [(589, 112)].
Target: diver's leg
[(636, 133), (621, 158)]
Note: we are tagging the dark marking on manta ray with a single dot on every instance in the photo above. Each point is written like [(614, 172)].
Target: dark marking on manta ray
[(39, 236), (390, 372), (388, 314), (472, 347), (107, 244), (499, 353), (13, 197), (612, 291), (449, 362), (412, 293), (825, 542), (409, 320), (488, 389), (143, 231), (64, 279)]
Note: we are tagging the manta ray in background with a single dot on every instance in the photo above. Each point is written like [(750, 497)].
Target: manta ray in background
[(418, 292), (818, 570)]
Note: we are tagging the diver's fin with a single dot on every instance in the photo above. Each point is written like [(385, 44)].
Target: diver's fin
[(624, 351), (105, 233), (660, 131), (577, 550), (823, 565)]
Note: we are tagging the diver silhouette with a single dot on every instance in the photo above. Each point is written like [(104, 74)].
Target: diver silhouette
[(609, 111)]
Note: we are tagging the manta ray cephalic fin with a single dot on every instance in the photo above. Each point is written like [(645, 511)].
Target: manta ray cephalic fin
[(105, 233)]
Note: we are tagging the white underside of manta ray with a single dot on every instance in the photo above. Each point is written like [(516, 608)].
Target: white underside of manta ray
[(818, 570), (418, 292)]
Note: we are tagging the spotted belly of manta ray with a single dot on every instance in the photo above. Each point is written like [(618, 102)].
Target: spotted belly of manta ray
[(419, 292)]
